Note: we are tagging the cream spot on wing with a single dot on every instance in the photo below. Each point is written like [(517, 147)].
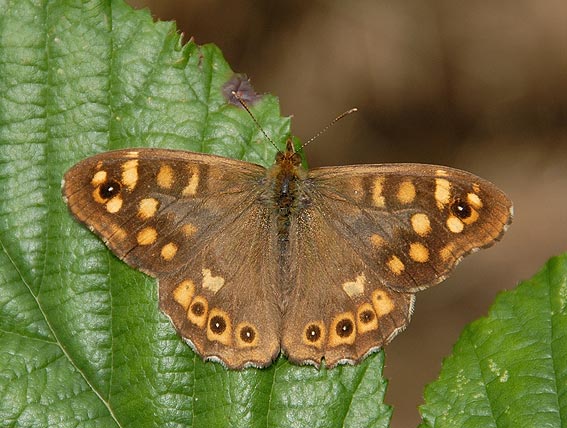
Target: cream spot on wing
[(183, 293), (377, 197), (441, 173), (446, 252), (472, 217), (99, 178), (165, 177), (418, 252), (96, 196), (395, 265), (114, 205), (118, 233), (454, 224), (356, 287), (406, 192), (130, 174), (442, 192), (191, 188), (132, 154), (474, 200), (376, 240), (146, 236), (382, 303), (420, 223), (168, 251), (356, 187), (210, 282), (188, 229), (147, 208), (476, 187)]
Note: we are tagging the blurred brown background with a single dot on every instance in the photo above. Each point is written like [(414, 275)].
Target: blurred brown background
[(480, 86)]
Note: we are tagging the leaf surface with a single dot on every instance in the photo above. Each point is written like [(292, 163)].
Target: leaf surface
[(510, 368), (82, 342)]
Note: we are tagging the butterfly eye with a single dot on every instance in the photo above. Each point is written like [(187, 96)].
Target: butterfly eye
[(109, 189), (461, 209), (296, 159)]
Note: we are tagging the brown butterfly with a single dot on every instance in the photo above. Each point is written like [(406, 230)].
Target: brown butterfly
[(319, 264)]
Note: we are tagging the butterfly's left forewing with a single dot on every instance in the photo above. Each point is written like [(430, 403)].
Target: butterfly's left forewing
[(192, 221)]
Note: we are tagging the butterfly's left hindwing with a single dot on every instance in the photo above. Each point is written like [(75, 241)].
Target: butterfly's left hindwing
[(192, 221)]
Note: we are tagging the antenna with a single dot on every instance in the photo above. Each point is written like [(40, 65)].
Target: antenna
[(326, 128), (241, 101), (317, 135)]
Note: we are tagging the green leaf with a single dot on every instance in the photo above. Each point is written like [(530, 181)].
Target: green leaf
[(510, 368), (82, 342)]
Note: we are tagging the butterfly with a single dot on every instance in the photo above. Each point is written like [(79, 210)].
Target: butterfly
[(320, 264)]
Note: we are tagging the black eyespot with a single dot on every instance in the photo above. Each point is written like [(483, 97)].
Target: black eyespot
[(344, 328), (366, 316), (247, 334), (198, 309), (461, 209), (109, 189), (217, 324), (313, 333)]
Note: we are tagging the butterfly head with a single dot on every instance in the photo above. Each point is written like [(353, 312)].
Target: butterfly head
[(289, 157)]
